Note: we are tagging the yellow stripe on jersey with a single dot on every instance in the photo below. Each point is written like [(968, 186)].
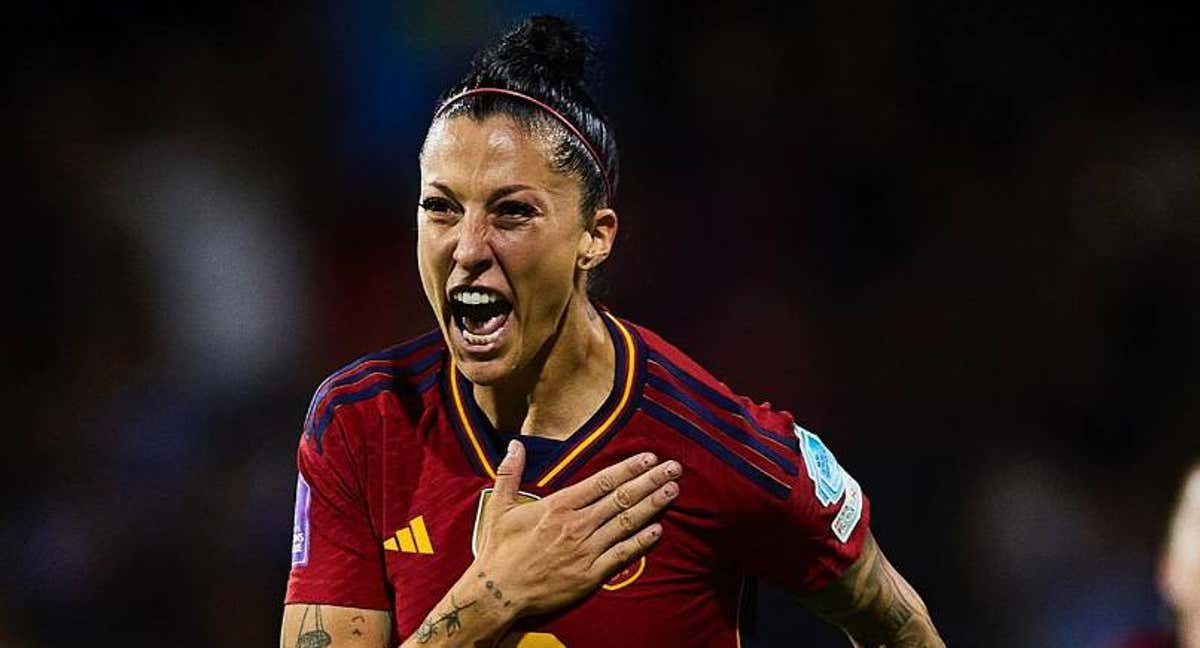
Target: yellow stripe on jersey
[(630, 371), (462, 416)]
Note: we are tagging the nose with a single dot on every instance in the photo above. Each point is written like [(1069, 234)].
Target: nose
[(472, 252)]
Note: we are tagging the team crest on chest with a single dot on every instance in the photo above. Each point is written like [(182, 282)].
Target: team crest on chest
[(626, 576), (485, 496), (827, 476), (623, 578)]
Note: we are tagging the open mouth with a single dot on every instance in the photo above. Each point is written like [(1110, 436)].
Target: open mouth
[(479, 313)]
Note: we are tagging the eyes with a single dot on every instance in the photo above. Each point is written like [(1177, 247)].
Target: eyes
[(516, 208), (507, 212), (437, 206)]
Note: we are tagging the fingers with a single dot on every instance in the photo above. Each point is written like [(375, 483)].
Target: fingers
[(606, 481), (621, 553), (632, 492), (508, 477), (629, 521)]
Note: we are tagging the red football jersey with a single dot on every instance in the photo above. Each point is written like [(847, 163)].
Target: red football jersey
[(397, 461)]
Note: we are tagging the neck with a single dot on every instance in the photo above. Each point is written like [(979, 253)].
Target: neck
[(565, 383)]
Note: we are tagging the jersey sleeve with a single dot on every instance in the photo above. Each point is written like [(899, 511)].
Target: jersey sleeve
[(805, 541), (336, 558)]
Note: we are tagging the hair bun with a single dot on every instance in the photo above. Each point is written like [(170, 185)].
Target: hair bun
[(541, 48)]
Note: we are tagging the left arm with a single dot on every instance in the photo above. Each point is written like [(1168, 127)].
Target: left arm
[(874, 605)]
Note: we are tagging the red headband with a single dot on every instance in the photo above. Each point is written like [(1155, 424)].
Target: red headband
[(565, 122)]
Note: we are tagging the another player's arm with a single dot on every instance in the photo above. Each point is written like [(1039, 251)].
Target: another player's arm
[(310, 625), (541, 556), (875, 606)]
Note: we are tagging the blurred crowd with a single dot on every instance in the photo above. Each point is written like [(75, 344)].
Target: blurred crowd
[(962, 244)]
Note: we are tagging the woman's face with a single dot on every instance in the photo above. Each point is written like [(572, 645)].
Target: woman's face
[(500, 242)]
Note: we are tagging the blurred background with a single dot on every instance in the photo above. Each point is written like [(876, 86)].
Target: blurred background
[(962, 244)]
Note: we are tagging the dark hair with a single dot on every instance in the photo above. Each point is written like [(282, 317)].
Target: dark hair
[(546, 58)]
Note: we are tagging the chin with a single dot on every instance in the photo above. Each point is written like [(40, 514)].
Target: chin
[(485, 373)]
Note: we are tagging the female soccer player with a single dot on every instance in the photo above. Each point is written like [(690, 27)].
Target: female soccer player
[(538, 472)]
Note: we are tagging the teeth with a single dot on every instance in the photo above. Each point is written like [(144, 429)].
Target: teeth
[(480, 339), (474, 297)]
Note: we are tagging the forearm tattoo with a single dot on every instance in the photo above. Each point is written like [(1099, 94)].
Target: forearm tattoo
[(875, 605), (316, 637), (493, 589), (448, 621)]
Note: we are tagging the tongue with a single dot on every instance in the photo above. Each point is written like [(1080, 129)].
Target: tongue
[(485, 327)]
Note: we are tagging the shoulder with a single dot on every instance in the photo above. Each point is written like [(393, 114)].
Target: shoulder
[(753, 439), (772, 475), (404, 370)]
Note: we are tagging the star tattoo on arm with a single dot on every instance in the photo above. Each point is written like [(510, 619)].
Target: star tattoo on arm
[(450, 621)]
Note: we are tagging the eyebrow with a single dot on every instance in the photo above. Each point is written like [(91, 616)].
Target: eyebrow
[(444, 189), (506, 190), (495, 195)]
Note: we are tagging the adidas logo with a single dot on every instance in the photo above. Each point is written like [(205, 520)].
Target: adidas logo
[(411, 539)]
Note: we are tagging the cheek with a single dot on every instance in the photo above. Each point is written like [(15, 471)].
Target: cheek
[(434, 243), (542, 269), (431, 260), (425, 246)]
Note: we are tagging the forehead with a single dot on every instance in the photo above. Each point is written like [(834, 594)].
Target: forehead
[(493, 151)]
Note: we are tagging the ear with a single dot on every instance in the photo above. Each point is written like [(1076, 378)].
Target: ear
[(596, 242)]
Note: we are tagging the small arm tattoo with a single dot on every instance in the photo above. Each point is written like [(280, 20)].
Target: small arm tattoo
[(875, 605), (315, 638), (450, 621), (493, 589)]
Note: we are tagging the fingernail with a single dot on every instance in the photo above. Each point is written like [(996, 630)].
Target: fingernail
[(671, 490), (648, 459), (672, 469), (655, 531), (512, 447)]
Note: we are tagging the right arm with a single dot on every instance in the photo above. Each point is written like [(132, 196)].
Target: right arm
[(534, 558), (873, 604)]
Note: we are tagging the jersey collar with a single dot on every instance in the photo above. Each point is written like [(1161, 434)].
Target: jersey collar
[(475, 431)]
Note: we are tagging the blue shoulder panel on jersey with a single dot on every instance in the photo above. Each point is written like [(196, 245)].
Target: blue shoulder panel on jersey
[(320, 413), (318, 427), (335, 379), (428, 381), (708, 443), (725, 426), (406, 370), (716, 397)]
